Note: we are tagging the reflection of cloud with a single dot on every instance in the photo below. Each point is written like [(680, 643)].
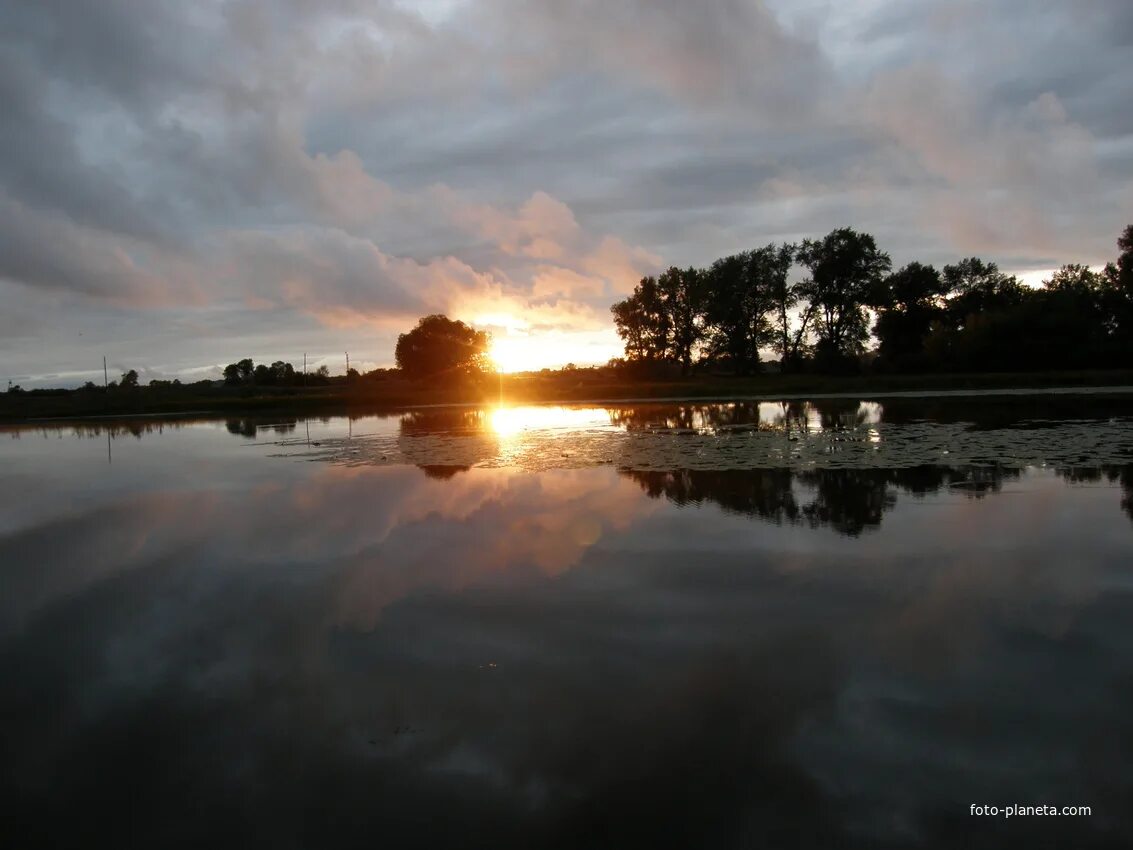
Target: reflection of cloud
[(553, 660)]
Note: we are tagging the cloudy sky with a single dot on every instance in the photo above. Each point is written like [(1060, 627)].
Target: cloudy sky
[(185, 184)]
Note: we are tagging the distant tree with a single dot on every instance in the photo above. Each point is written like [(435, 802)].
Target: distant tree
[(908, 302), (974, 286), (90, 385), (262, 375), (788, 338), (683, 293), (846, 269), (129, 379), (643, 323), (282, 373), (442, 348), (240, 372), (743, 290), (1119, 297), (986, 318)]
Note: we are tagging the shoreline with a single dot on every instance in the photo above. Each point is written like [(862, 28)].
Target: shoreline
[(362, 404)]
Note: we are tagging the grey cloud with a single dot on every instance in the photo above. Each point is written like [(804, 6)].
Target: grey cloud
[(141, 137)]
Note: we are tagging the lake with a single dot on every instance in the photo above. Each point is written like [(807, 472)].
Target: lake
[(829, 623)]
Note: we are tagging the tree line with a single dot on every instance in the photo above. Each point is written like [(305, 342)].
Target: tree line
[(967, 316), (279, 374)]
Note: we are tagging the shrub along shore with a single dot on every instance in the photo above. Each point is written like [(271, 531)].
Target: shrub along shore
[(574, 386)]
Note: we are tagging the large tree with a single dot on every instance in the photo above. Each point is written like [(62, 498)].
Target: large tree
[(643, 322), (442, 348), (1119, 297), (683, 295), (846, 269), (240, 372), (975, 287), (742, 290), (908, 302)]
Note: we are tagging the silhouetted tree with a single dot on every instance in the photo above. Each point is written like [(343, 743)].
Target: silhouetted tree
[(909, 301), (643, 322), (683, 295), (440, 347), (791, 343), (1119, 297), (742, 290), (240, 372), (846, 269), (129, 379), (974, 287), (283, 373)]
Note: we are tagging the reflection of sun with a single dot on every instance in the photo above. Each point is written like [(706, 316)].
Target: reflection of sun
[(509, 421)]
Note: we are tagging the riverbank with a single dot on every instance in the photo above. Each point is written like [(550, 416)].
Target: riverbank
[(579, 386)]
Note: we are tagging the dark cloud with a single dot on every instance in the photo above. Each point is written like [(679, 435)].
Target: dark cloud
[(140, 142)]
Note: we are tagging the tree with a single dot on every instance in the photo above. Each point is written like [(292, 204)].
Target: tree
[(908, 302), (1118, 296), (282, 373), (683, 296), (742, 290), (974, 286), (240, 372), (643, 322), (441, 348), (846, 269), (129, 379), (784, 296)]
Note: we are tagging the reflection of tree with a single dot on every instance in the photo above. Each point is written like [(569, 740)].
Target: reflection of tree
[(836, 414), (247, 427), (765, 493), (987, 412), (442, 472), (133, 428), (422, 439), (241, 427), (441, 421), (848, 500), (1113, 474), (688, 417)]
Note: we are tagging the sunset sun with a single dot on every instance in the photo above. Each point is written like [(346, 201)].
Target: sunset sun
[(511, 353)]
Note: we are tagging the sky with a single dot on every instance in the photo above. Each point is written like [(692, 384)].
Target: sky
[(186, 184)]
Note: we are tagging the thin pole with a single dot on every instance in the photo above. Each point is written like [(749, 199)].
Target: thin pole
[(348, 365), (304, 368), (105, 382)]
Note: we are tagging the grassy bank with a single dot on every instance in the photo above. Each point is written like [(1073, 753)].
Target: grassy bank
[(568, 386)]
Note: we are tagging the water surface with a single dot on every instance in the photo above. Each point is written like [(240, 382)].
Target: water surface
[(832, 624)]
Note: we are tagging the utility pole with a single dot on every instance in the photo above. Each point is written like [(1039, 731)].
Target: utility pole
[(305, 377), (105, 382), (348, 365)]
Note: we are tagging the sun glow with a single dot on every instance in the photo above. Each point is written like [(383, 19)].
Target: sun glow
[(511, 353), (509, 421), (519, 350)]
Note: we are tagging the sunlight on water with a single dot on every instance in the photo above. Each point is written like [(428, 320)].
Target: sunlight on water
[(509, 421)]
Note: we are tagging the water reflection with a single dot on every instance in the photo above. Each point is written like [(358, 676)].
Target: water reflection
[(313, 654), (848, 500), (834, 433)]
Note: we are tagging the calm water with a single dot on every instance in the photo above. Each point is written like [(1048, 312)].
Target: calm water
[(694, 626)]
